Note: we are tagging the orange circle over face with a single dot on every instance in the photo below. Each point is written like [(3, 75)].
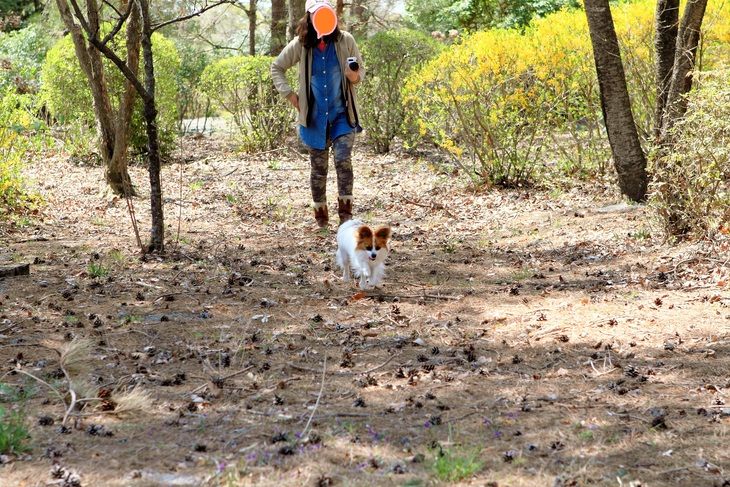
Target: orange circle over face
[(324, 20)]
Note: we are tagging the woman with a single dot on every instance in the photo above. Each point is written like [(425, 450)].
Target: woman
[(325, 100)]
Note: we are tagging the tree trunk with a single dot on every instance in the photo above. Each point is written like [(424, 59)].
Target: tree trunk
[(252, 28), (296, 12), (99, 89), (628, 156), (684, 63), (339, 10), (358, 19), (91, 64), (157, 232), (278, 27), (116, 170), (665, 43)]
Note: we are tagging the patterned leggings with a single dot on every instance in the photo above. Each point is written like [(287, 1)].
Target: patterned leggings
[(319, 159)]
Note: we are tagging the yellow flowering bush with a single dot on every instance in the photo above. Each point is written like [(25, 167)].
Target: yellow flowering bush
[(19, 137), (497, 97), (516, 104)]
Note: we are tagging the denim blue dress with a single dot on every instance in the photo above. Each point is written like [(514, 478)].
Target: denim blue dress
[(327, 118)]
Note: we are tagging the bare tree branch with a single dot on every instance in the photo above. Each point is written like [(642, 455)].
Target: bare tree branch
[(111, 6), (120, 22), (80, 16), (194, 14), (241, 7), (107, 52), (217, 46)]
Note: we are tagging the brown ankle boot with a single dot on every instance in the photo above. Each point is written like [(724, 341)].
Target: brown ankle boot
[(321, 215), (344, 208)]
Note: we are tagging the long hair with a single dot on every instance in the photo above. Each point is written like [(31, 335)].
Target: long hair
[(308, 35)]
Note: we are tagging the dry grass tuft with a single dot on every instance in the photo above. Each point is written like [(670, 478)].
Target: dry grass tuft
[(75, 358), (132, 401)]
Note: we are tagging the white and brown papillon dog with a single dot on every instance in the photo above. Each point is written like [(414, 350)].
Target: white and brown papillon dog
[(362, 251)]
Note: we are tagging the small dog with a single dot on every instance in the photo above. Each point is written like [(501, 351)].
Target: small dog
[(363, 251)]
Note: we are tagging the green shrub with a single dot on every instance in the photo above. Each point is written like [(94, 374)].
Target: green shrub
[(456, 463), (191, 102), (575, 141), (66, 91), (242, 86), (390, 57), (690, 192), (21, 57)]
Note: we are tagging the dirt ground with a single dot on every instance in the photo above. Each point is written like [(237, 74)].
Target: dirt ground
[(520, 338)]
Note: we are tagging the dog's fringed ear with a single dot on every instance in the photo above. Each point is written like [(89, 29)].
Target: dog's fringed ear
[(383, 233), (364, 233)]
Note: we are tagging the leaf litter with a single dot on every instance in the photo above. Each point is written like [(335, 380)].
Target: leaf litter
[(520, 337)]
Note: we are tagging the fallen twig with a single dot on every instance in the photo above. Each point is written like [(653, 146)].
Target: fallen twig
[(319, 396), (673, 470)]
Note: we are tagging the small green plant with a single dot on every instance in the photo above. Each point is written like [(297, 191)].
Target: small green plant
[(71, 320), (522, 274), (274, 165), (232, 199), (130, 319), (10, 393), (117, 257), (642, 234), (455, 464), (13, 432), (585, 432), (22, 221), (98, 269), (195, 185), (282, 213)]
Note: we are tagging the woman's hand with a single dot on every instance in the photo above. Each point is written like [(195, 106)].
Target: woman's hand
[(294, 100), (353, 76)]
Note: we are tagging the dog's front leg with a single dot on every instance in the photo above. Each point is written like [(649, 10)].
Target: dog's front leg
[(364, 278), (376, 276)]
